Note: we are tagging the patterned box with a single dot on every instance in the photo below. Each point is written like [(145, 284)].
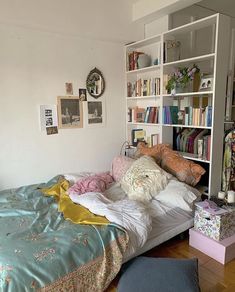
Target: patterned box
[(217, 225)]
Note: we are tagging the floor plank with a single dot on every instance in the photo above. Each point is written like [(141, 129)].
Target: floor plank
[(213, 276)]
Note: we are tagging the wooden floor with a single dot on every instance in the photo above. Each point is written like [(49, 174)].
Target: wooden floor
[(213, 276)]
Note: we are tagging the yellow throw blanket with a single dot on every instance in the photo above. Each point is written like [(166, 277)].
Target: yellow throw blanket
[(76, 213)]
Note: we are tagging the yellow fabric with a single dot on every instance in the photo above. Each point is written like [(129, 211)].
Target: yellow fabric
[(74, 212)]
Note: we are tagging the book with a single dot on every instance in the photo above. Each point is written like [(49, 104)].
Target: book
[(200, 148), (174, 114), (154, 139)]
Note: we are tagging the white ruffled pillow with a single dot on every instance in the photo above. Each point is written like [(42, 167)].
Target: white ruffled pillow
[(144, 179)]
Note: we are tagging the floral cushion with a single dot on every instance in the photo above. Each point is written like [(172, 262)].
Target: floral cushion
[(144, 179), (185, 170), (120, 165)]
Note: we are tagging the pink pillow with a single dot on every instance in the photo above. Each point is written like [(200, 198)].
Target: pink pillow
[(120, 165), (94, 183)]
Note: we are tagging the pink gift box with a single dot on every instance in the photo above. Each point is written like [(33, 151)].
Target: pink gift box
[(222, 251)]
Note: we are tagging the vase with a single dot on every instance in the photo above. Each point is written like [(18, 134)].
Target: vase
[(181, 89), (144, 61)]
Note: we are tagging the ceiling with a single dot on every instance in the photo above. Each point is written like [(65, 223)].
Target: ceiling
[(225, 7)]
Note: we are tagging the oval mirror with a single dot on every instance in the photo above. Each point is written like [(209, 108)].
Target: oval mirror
[(95, 83)]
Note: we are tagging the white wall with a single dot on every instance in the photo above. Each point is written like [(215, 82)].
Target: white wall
[(34, 68), (97, 19)]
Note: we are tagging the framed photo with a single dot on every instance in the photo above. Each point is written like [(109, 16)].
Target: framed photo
[(69, 112), (82, 94), (206, 83), (95, 113)]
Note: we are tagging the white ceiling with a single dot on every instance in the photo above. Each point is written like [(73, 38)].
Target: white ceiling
[(223, 6)]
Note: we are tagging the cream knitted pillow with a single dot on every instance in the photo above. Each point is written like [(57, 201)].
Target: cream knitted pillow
[(144, 179)]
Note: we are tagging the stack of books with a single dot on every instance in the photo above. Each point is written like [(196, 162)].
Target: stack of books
[(144, 87), (142, 115)]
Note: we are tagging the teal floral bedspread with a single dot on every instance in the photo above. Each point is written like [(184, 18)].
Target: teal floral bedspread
[(40, 251)]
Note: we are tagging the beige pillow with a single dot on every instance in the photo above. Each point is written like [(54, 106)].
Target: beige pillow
[(144, 179)]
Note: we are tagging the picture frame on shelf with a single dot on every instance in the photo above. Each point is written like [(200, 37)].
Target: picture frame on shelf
[(70, 113), (206, 83)]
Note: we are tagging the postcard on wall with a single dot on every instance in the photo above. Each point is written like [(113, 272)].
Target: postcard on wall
[(52, 130), (48, 116), (95, 113), (70, 114), (82, 94), (69, 88)]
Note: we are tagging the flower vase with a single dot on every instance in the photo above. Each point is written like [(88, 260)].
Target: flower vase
[(179, 89)]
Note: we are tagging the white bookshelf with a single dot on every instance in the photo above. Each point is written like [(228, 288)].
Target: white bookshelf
[(211, 56)]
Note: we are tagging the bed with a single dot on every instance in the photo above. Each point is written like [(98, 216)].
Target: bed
[(41, 251)]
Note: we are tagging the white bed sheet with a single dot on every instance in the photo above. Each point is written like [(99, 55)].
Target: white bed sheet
[(167, 221), (165, 226)]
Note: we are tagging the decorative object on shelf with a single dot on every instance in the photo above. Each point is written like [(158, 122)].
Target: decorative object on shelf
[(144, 61), (172, 50), (69, 112), (181, 78), (95, 83), (206, 83), (137, 135)]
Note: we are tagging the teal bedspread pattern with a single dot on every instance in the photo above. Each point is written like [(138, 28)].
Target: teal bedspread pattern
[(40, 251)]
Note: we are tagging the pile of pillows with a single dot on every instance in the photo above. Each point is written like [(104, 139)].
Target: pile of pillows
[(144, 178), (150, 176)]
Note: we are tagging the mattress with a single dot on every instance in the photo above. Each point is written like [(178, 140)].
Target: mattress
[(165, 226), (167, 221)]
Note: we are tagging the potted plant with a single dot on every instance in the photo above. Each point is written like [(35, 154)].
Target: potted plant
[(181, 78)]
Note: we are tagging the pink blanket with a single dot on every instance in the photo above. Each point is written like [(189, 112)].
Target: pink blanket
[(94, 183)]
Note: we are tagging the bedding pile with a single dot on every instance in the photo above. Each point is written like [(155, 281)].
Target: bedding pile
[(74, 233)]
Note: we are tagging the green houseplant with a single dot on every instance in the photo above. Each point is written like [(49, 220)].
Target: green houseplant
[(181, 78)]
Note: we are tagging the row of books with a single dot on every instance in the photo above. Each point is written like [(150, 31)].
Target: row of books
[(189, 116), (194, 141), (143, 115), (144, 87)]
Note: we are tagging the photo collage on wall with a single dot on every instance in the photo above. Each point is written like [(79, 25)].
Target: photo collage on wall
[(72, 111)]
